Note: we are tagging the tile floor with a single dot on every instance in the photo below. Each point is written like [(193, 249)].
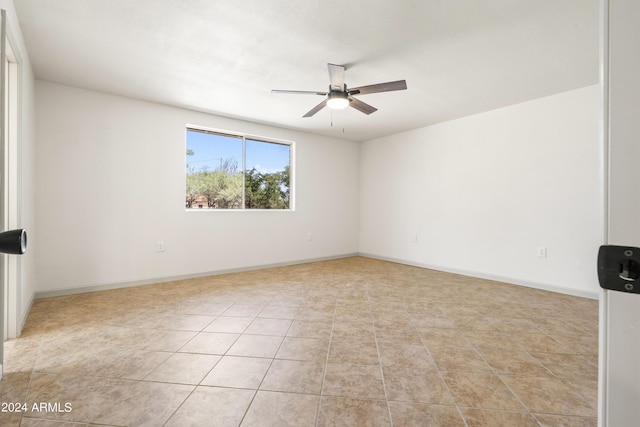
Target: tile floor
[(350, 342)]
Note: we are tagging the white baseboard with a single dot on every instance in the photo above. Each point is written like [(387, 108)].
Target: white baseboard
[(510, 280), (117, 285), (25, 315), (150, 281)]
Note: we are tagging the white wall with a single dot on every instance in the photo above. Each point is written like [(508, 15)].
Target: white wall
[(110, 183), (482, 193)]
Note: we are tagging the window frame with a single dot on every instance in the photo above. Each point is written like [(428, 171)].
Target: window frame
[(244, 137)]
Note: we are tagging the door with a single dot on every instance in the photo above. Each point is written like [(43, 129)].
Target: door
[(620, 312), (3, 302), (12, 189)]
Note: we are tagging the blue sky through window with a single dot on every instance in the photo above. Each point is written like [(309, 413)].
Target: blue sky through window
[(208, 150)]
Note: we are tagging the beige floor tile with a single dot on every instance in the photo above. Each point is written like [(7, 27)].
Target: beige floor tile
[(85, 337), (181, 322), (493, 341), (461, 308), (353, 350), (238, 372), (404, 336), (579, 344), (448, 338), (536, 342), (587, 390), (357, 381), (230, 325), (275, 409), (20, 355), (418, 414), (458, 359), (353, 307), (481, 390), (416, 385), (256, 346), (276, 328), (434, 320), (315, 314), (38, 422), (255, 298), (279, 312), (343, 411), (473, 323), (407, 355), (108, 401), (289, 298), (243, 310), (387, 319), (514, 326), (159, 340), (565, 326), (94, 361), (294, 376), (484, 417), (546, 420), (515, 363), (353, 328), (212, 406), (184, 368), (11, 418), (13, 390), (569, 366), (549, 395), (210, 343), (127, 364), (208, 308), (310, 329), (266, 326), (309, 349)]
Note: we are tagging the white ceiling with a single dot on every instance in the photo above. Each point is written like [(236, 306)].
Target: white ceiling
[(459, 57)]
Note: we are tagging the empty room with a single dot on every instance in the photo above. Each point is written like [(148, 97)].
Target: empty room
[(305, 213)]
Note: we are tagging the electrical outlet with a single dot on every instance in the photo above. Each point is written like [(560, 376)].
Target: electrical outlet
[(160, 246), (414, 238), (542, 252)]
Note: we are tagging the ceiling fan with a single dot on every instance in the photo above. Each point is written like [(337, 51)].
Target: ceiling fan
[(339, 96)]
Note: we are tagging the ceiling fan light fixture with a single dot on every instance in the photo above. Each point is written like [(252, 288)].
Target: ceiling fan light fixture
[(339, 97), (338, 100)]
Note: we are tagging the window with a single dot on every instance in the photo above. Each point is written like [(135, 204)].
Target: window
[(229, 171)]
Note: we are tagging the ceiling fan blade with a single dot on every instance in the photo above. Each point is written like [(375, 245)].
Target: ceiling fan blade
[(316, 109), (380, 87), (299, 92), (336, 77), (361, 106)]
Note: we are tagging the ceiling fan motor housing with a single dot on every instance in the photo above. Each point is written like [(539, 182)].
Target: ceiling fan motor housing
[(337, 99)]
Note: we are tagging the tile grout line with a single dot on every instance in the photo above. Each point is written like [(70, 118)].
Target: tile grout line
[(375, 339), (499, 376), (195, 387), (435, 365), (326, 361), (35, 361), (265, 372)]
